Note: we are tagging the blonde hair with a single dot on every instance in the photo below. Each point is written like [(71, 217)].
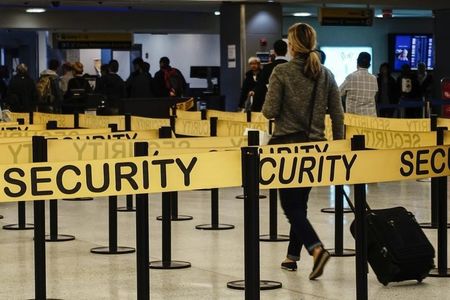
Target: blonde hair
[(303, 41)]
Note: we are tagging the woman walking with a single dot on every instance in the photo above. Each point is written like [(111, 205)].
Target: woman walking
[(299, 95)]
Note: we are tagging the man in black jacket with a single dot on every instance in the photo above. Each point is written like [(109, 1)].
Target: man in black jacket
[(280, 48)]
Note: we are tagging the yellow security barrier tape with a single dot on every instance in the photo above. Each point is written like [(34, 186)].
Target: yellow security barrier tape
[(141, 123), (25, 116), (369, 166), (129, 176), (189, 115), (66, 121), (387, 139), (192, 127), (92, 121), (34, 127), (234, 128), (52, 133), (417, 125)]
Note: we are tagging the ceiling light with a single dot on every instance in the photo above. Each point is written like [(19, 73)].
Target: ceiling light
[(302, 14), (35, 10), (217, 13)]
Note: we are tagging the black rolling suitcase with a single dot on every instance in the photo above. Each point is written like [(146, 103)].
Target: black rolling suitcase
[(397, 248)]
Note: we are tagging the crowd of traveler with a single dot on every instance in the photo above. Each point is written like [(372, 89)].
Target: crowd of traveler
[(361, 91), (62, 86)]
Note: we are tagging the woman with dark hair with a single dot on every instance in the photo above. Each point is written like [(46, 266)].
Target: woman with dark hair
[(387, 90), (300, 93)]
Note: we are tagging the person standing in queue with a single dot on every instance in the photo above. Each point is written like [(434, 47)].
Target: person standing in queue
[(22, 94), (168, 81), (360, 89), (387, 90), (280, 48), (250, 81), (300, 93)]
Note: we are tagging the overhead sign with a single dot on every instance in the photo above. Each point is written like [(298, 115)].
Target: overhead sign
[(92, 40), (345, 16)]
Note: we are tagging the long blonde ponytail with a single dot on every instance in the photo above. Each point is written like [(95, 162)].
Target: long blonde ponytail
[(303, 41)]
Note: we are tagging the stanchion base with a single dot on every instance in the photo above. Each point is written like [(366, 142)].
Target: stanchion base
[(331, 210), (436, 273), (264, 285), (428, 225), (242, 197), (107, 250), (169, 265), (177, 218), (126, 209), (1, 217), (214, 227), (345, 253), (16, 227), (277, 238), (60, 238), (79, 199)]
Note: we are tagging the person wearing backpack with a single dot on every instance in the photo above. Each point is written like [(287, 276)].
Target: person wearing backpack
[(168, 82), (48, 87)]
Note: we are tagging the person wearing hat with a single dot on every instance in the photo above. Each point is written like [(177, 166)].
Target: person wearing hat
[(360, 89), (78, 83), (22, 93)]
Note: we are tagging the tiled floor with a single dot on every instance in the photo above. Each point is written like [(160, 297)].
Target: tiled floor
[(216, 256)]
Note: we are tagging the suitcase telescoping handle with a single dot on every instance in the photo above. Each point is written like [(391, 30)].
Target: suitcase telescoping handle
[(351, 205)]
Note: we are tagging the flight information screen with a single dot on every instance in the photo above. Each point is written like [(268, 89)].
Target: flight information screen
[(412, 49)]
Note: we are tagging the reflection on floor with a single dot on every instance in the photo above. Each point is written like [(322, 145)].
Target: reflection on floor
[(216, 256)]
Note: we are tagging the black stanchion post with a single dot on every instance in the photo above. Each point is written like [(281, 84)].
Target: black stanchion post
[(250, 181), (338, 250), (358, 143), (76, 120), (204, 114), (129, 198), (142, 235), (54, 236), (39, 146), (172, 123), (215, 224), (249, 116), (31, 121), (166, 132), (112, 248), (442, 270), (167, 262), (434, 183)]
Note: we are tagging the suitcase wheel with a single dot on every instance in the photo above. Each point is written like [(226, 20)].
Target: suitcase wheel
[(385, 283)]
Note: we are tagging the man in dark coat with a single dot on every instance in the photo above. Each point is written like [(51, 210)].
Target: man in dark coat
[(22, 93), (280, 48)]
